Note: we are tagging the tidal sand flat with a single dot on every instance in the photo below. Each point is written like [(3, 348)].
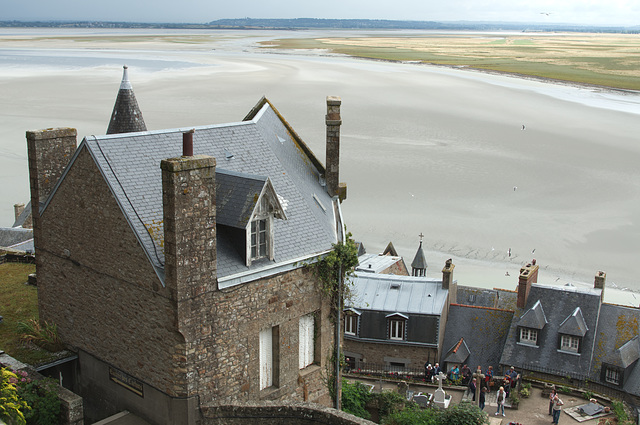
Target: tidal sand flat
[(425, 150)]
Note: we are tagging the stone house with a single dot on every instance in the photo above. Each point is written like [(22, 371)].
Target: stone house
[(175, 262), (396, 320)]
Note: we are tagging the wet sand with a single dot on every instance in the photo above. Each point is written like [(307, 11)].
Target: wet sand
[(424, 149)]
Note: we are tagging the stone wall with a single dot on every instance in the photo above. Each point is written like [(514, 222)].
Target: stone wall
[(381, 353), (96, 283), (245, 310), (278, 414)]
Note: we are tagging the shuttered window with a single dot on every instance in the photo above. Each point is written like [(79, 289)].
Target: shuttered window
[(306, 347), (266, 358)]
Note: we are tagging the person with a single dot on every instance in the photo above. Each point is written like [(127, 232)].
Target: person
[(507, 384), (488, 376), (436, 369), (428, 372), (552, 395), (455, 373), (472, 388), (557, 408), (482, 398), (501, 397), (515, 376), (466, 374)]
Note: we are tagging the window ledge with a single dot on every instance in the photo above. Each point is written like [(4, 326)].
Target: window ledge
[(573, 353), (312, 368), (527, 345), (271, 393)]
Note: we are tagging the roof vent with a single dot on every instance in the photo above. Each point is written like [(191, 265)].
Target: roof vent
[(395, 286)]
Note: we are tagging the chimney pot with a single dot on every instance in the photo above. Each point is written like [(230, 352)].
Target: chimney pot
[(187, 142)]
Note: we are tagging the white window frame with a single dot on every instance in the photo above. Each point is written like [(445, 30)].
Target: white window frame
[(612, 376), (259, 238), (569, 343), (529, 336), (350, 324), (266, 358), (306, 344), (397, 329)]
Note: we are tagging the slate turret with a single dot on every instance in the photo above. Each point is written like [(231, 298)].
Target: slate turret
[(126, 116)]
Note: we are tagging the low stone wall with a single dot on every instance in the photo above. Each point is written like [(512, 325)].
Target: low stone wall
[(278, 414), (16, 257)]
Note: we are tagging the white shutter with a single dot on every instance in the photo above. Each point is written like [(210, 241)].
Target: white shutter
[(266, 358), (306, 343)]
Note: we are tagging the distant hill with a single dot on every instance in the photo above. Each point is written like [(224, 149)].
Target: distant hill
[(313, 23)]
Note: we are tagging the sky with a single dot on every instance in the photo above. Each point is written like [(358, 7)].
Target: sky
[(582, 12)]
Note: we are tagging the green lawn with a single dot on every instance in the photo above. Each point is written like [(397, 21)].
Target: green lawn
[(18, 303)]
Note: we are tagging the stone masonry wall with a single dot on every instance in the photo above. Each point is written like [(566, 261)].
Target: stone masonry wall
[(97, 285), (242, 312), (375, 352)]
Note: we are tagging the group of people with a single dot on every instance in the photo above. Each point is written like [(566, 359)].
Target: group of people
[(555, 406)]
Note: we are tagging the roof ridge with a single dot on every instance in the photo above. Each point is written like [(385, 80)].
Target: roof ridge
[(484, 308)]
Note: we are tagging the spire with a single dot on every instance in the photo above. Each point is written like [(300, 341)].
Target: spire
[(419, 263), (126, 116)]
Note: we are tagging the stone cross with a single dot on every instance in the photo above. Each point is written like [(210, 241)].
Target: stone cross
[(479, 382), (440, 377)]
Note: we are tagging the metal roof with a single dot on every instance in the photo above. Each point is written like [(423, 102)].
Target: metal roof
[(398, 294), (375, 263)]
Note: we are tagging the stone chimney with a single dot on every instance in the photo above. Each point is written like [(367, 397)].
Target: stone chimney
[(189, 211), (528, 275), (332, 174), (49, 153), (17, 210), (599, 282), (448, 282)]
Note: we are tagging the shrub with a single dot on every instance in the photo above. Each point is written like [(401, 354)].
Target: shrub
[(588, 395), (524, 392), (388, 402), (461, 414), (11, 405), (45, 335), (354, 398), (43, 399), (619, 411)]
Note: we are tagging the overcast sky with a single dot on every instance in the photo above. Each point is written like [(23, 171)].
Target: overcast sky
[(587, 12)]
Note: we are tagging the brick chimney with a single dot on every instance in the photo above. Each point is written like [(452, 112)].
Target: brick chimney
[(599, 282), (49, 153), (448, 282), (528, 275), (332, 174)]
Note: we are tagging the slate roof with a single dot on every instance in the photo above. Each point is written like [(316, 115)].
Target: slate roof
[(617, 332), (398, 294), (574, 324), (24, 215), (264, 145), (483, 329), (126, 116), (533, 318), (458, 353), (374, 263), (557, 303), (16, 238), (480, 297), (419, 261)]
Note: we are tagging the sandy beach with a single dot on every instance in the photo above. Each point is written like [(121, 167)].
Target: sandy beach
[(424, 149)]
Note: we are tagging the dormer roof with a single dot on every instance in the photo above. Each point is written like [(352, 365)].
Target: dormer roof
[(459, 353), (534, 318), (239, 196), (574, 324), (626, 355)]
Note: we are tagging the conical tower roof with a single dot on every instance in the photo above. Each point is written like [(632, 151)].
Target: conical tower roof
[(126, 116), (419, 261)]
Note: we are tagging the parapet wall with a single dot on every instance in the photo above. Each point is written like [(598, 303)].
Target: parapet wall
[(278, 414)]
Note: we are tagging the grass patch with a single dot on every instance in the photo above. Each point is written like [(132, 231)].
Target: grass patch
[(19, 303), (610, 60)]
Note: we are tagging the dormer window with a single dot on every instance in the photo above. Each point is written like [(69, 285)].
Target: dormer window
[(570, 343), (246, 205), (529, 336), (397, 324), (259, 238)]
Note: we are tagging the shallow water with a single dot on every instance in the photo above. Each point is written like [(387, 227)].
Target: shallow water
[(424, 149)]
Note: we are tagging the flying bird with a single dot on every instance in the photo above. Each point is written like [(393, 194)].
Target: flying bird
[(523, 127), (545, 13)]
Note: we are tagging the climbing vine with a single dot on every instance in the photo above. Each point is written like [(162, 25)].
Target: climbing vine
[(338, 264)]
